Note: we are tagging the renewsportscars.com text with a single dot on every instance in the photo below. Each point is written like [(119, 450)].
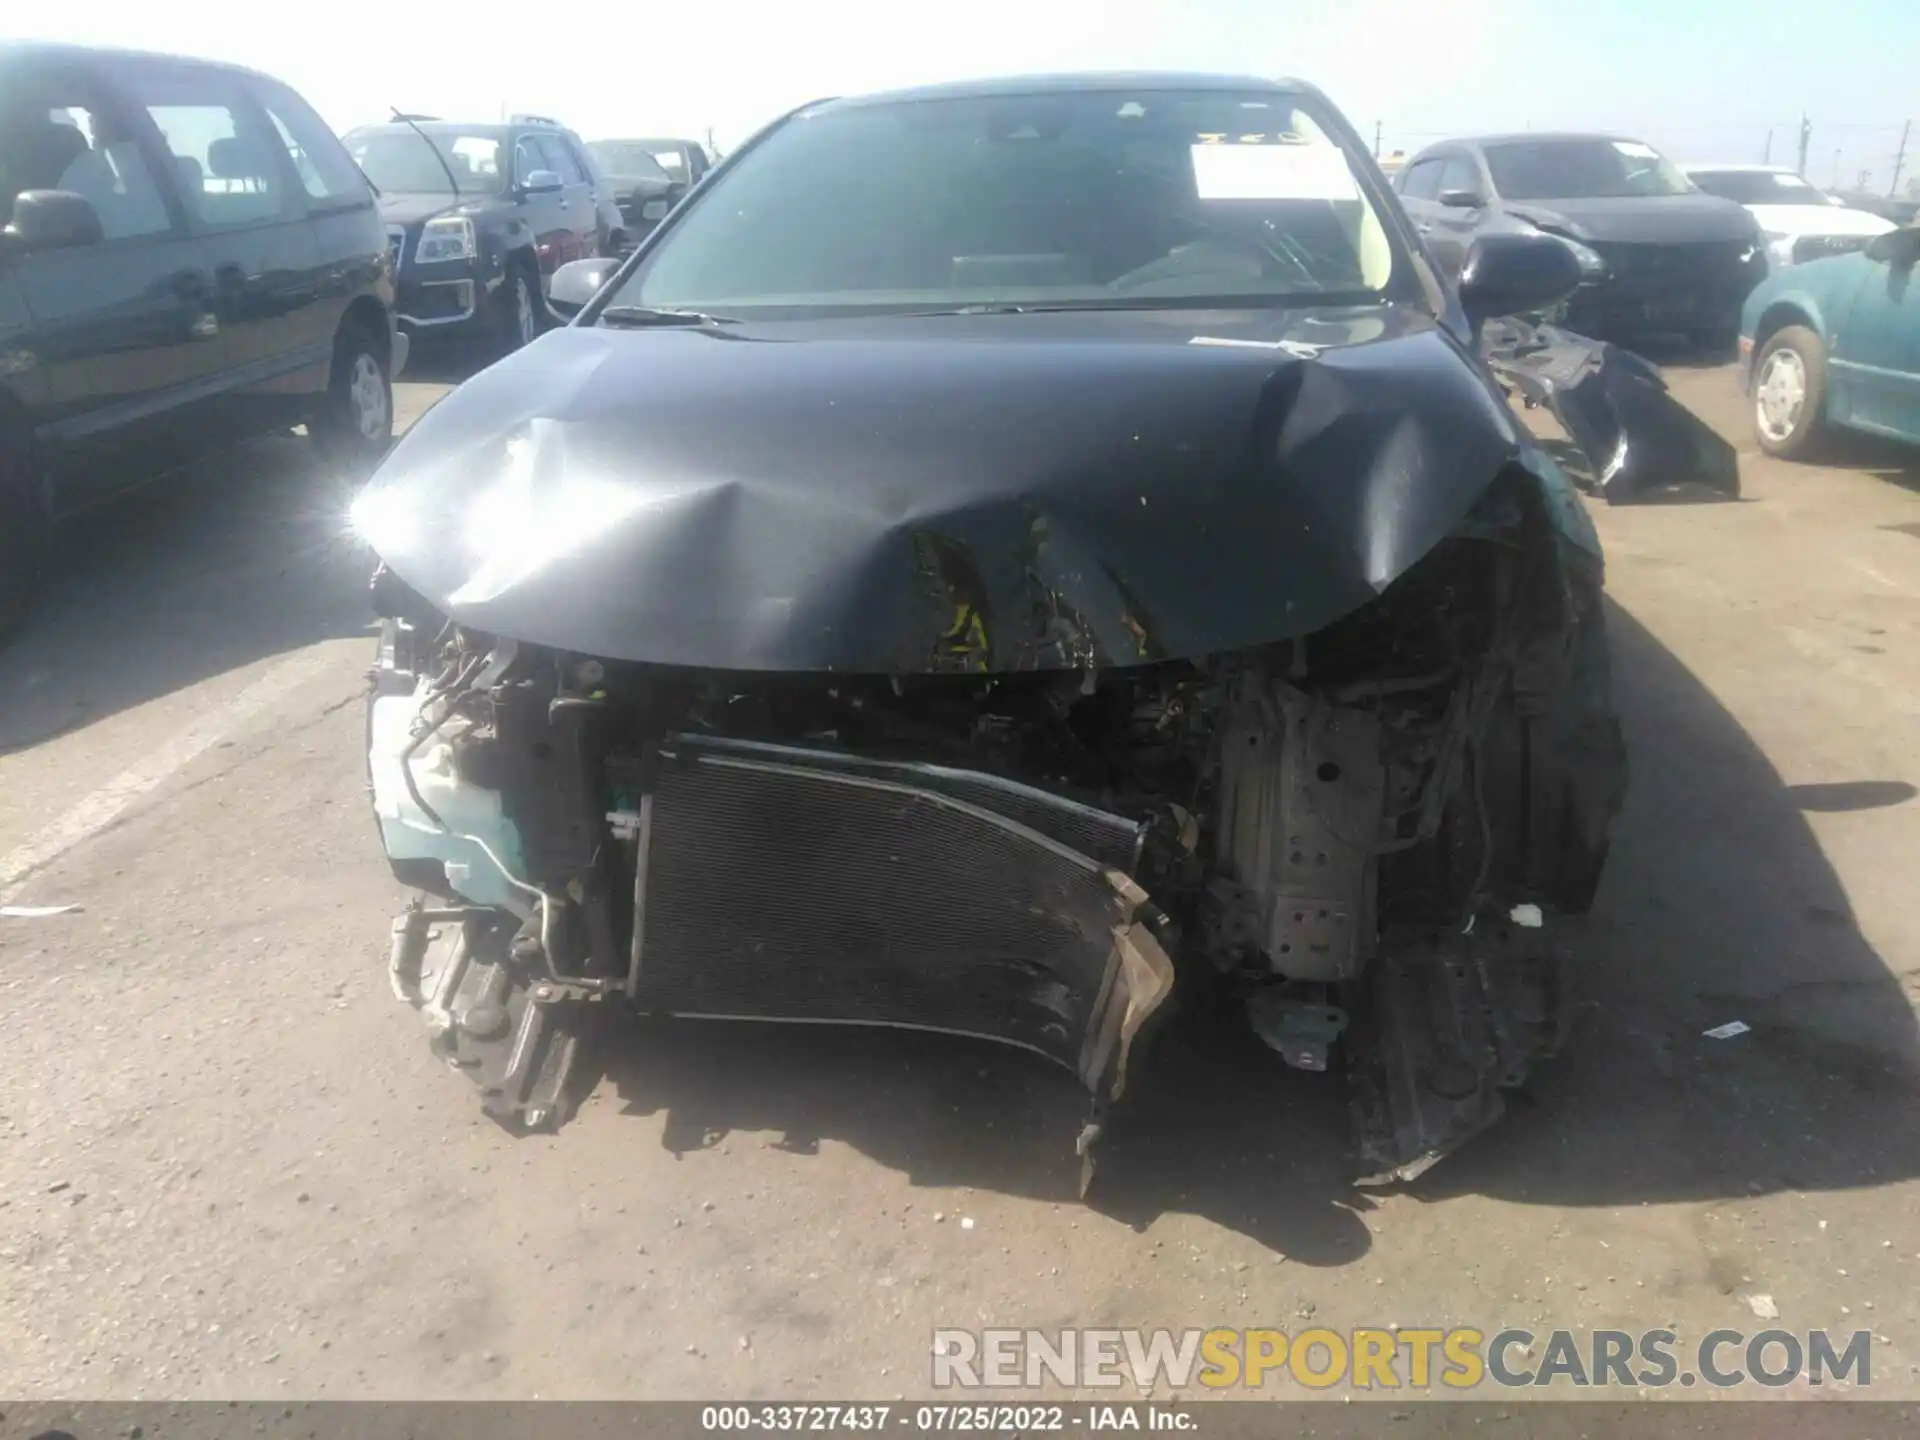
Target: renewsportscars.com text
[(1395, 1359)]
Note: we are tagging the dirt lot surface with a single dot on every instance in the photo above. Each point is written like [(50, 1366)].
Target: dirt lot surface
[(229, 1166)]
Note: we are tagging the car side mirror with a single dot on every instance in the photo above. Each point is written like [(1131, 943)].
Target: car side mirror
[(1516, 274), (1462, 199), (1898, 248), (541, 182), (53, 220), (578, 281)]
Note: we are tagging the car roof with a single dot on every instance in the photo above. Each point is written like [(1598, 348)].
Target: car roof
[(478, 127), (35, 53), (1526, 136), (1742, 168), (1077, 82)]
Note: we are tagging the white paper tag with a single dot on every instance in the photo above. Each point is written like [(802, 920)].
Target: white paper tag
[(1636, 150), (1272, 172)]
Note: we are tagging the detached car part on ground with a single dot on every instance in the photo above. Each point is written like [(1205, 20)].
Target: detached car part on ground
[(1616, 409), (965, 631)]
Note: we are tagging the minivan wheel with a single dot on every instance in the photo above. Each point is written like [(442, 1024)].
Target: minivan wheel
[(1790, 393), (519, 311), (355, 423)]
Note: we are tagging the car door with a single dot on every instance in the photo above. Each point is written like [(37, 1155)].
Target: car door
[(601, 216), (353, 245), (577, 197), (122, 332), (1875, 347), (1419, 191), (1456, 225), (244, 201), (547, 212)]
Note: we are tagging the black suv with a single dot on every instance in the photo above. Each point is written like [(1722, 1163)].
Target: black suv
[(191, 258), (480, 216)]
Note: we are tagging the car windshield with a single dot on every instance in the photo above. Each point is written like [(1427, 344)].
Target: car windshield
[(630, 159), (669, 155), (1581, 170), (1093, 198), (400, 159), (1758, 187)]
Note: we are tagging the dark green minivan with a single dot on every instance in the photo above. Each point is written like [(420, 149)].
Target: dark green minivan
[(189, 258)]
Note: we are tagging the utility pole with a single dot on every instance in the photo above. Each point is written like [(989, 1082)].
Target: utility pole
[(1836, 169), (1899, 159), (1766, 155), (1806, 135), (1376, 140)]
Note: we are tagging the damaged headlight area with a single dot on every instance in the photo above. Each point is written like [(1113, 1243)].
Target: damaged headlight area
[(1592, 266), (1353, 835)]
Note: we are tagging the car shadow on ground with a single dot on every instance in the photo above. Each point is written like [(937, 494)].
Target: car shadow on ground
[(1884, 459), (446, 362), (1718, 905), (241, 557)]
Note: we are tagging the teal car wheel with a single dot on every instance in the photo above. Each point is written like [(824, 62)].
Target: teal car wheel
[(1790, 393)]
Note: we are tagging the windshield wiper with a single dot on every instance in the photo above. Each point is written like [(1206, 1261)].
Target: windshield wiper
[(643, 315), (413, 125)]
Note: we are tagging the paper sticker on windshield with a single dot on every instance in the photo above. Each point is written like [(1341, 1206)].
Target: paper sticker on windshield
[(668, 158), (1635, 149), (1272, 172)]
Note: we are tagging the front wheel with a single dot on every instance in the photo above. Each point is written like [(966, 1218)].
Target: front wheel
[(355, 423), (1790, 393), (519, 318)]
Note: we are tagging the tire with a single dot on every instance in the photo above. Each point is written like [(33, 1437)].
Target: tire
[(1789, 394), (23, 534), (355, 423), (517, 322)]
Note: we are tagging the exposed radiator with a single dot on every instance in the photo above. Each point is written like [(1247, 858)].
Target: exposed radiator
[(789, 884)]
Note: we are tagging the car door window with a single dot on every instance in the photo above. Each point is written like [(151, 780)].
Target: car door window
[(527, 159), (66, 137), (560, 160), (327, 173), (226, 156), (1460, 173), (1422, 180)]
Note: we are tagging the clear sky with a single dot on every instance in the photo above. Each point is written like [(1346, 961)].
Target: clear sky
[(1701, 79)]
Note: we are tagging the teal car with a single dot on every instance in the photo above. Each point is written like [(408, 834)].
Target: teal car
[(1835, 344)]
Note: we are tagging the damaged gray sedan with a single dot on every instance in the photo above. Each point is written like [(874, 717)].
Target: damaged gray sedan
[(998, 560)]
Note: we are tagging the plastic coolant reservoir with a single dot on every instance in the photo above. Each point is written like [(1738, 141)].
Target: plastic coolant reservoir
[(468, 810)]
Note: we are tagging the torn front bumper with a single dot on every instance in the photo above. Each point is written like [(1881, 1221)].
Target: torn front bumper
[(1615, 408), (775, 883)]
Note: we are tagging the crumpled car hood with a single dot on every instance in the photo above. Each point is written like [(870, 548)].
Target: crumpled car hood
[(977, 493)]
